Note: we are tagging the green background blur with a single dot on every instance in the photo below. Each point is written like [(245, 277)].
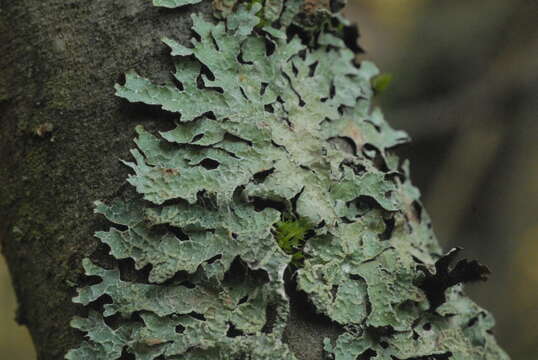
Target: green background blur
[(465, 85)]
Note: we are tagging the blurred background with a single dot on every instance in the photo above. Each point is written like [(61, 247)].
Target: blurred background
[(465, 85)]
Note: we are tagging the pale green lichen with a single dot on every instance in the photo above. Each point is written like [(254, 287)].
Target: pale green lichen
[(274, 139), (174, 3)]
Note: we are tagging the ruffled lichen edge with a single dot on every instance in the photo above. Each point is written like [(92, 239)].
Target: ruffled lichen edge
[(275, 124)]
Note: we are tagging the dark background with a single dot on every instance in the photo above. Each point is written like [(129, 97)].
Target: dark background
[(465, 80), (465, 85)]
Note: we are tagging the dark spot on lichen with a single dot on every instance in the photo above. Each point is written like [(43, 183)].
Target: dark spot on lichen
[(367, 355), (271, 317), (209, 164), (435, 285), (214, 258), (233, 331), (389, 228), (261, 204), (260, 177), (197, 316)]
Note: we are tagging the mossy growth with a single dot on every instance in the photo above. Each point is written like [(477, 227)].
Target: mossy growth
[(290, 236), (381, 82)]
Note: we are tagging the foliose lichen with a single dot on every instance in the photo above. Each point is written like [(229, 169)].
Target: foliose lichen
[(271, 125)]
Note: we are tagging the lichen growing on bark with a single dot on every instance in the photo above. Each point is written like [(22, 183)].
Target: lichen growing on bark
[(271, 125)]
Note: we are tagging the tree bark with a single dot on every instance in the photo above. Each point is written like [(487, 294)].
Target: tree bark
[(62, 132)]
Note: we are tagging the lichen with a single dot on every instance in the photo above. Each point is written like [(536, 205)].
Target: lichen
[(275, 138), (174, 3)]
